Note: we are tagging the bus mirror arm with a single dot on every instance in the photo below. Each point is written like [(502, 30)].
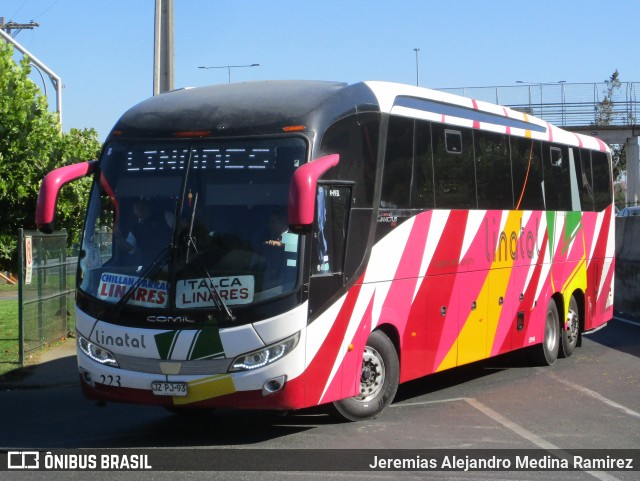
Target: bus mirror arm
[(302, 192), (50, 188)]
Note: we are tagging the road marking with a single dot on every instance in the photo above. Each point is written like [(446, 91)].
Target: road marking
[(597, 396), (529, 436), (516, 428), (424, 403), (507, 423)]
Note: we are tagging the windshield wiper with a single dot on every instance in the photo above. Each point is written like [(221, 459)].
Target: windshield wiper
[(191, 241), (215, 295)]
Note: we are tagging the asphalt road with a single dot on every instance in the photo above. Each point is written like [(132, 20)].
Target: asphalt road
[(589, 401)]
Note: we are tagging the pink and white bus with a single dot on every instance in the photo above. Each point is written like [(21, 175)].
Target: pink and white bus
[(288, 244)]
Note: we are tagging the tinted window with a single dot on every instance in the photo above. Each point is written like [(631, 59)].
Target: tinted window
[(355, 138), (601, 180), (407, 179), (453, 168), (581, 184), (398, 164), (526, 163), (422, 192), (493, 171), (453, 141), (557, 187), (330, 229)]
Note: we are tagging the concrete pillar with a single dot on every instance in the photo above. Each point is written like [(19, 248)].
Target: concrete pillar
[(633, 171)]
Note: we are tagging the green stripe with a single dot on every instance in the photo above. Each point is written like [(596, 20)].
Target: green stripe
[(165, 341)]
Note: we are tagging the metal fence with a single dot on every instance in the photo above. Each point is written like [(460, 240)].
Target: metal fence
[(564, 104), (46, 289)]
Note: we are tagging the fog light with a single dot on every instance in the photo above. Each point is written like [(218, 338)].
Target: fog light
[(86, 376), (273, 385)]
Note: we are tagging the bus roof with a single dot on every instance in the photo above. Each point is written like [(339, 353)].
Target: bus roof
[(245, 108), (266, 107)]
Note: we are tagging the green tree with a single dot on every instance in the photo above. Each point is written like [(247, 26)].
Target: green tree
[(31, 145), (606, 115)]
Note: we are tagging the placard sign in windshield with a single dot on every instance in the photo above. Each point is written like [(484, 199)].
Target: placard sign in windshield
[(233, 290), (147, 292)]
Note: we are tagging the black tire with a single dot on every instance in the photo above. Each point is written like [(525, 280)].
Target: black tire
[(378, 381), (571, 334), (545, 354)]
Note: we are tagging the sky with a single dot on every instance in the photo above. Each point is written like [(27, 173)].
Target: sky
[(103, 49)]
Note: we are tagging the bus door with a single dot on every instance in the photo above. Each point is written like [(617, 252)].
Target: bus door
[(328, 241)]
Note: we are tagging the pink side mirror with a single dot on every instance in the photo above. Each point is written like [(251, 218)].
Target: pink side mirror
[(50, 188), (302, 192)]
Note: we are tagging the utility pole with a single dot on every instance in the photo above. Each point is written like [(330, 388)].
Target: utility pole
[(9, 27), (163, 47)]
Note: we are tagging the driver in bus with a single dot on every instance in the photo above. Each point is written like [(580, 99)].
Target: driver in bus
[(281, 250), (146, 235)]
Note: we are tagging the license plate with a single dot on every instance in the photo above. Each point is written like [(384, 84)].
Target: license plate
[(162, 388)]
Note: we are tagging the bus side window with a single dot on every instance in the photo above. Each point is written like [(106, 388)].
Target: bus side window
[(557, 184), (528, 185), (398, 164), (493, 170), (330, 229), (453, 141), (455, 184), (585, 179), (407, 177), (422, 194), (581, 184), (601, 180)]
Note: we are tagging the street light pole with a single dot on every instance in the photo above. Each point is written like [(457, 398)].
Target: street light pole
[(55, 80), (229, 67), (416, 50)]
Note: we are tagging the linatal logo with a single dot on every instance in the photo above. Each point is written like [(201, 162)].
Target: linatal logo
[(23, 460)]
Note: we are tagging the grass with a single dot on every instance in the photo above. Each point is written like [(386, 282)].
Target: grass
[(8, 330)]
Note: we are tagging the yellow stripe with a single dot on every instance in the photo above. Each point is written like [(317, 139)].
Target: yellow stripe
[(207, 388), (577, 280), (476, 338), (527, 133)]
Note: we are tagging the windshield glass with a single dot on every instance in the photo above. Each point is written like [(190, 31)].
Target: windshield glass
[(187, 224)]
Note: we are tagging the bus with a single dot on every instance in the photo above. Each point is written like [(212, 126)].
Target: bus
[(288, 244)]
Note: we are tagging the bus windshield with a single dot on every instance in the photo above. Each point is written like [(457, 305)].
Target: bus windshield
[(187, 224)]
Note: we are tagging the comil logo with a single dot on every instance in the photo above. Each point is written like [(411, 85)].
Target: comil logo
[(23, 459)]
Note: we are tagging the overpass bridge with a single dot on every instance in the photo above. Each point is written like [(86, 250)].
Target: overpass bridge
[(578, 107)]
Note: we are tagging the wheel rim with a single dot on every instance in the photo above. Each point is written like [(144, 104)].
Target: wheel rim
[(572, 326), (551, 332), (372, 376)]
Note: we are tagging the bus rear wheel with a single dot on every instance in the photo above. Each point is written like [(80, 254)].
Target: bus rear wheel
[(378, 380), (571, 332), (545, 354)]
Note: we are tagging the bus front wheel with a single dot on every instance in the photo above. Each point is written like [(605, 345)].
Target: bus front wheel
[(379, 379)]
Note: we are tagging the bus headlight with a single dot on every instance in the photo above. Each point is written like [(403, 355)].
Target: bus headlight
[(97, 353), (266, 355)]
